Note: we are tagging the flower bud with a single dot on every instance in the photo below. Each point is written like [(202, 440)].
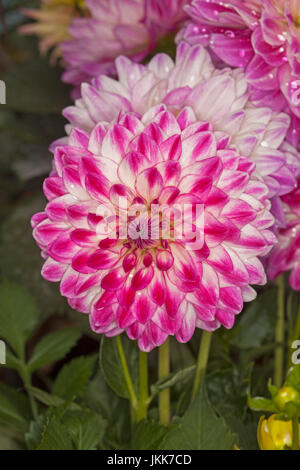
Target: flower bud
[(285, 395), (274, 434)]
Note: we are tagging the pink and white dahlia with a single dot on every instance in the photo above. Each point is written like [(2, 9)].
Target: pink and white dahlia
[(130, 27), (217, 96), (261, 35), (154, 226), (285, 256)]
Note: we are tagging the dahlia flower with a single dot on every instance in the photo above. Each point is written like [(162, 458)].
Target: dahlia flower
[(217, 96), (285, 256), (154, 225), (130, 27), (52, 22), (261, 35)]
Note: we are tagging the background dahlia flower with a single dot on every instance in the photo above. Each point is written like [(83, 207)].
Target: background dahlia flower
[(141, 278), (217, 96), (285, 256), (53, 19), (130, 27), (261, 35)]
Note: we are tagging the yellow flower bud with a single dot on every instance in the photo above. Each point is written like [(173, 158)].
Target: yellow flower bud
[(285, 395), (274, 434)]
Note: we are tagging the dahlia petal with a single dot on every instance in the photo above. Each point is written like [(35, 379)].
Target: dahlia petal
[(124, 318), (166, 323), (52, 270), (38, 218), (79, 262), (56, 210), (96, 186), (164, 260), (68, 283), (143, 309), (72, 182), (54, 187), (188, 324), (169, 171), (236, 51), (225, 318), (157, 289), (239, 212), (142, 278), (113, 280), (63, 248), (197, 147), (102, 259), (115, 143), (83, 237), (47, 232), (133, 163), (83, 304), (231, 297), (96, 139), (149, 184), (78, 213), (126, 296), (171, 148)]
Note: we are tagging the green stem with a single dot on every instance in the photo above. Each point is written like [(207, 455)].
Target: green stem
[(296, 336), (27, 382), (295, 424), (143, 396), (202, 360), (279, 334), (164, 395), (132, 395)]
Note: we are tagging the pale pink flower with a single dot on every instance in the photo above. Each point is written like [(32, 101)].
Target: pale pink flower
[(217, 96), (143, 279), (261, 35), (130, 27), (286, 254)]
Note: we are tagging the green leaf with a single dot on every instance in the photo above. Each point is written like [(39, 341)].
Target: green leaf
[(293, 377), (228, 390), (52, 347), (246, 433), (18, 315), (34, 435), (116, 410), (55, 436), (256, 326), (262, 404), (73, 377), (86, 429), (148, 435), (200, 429), (272, 389), (46, 398), (180, 376), (111, 365), (34, 87), (14, 407)]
